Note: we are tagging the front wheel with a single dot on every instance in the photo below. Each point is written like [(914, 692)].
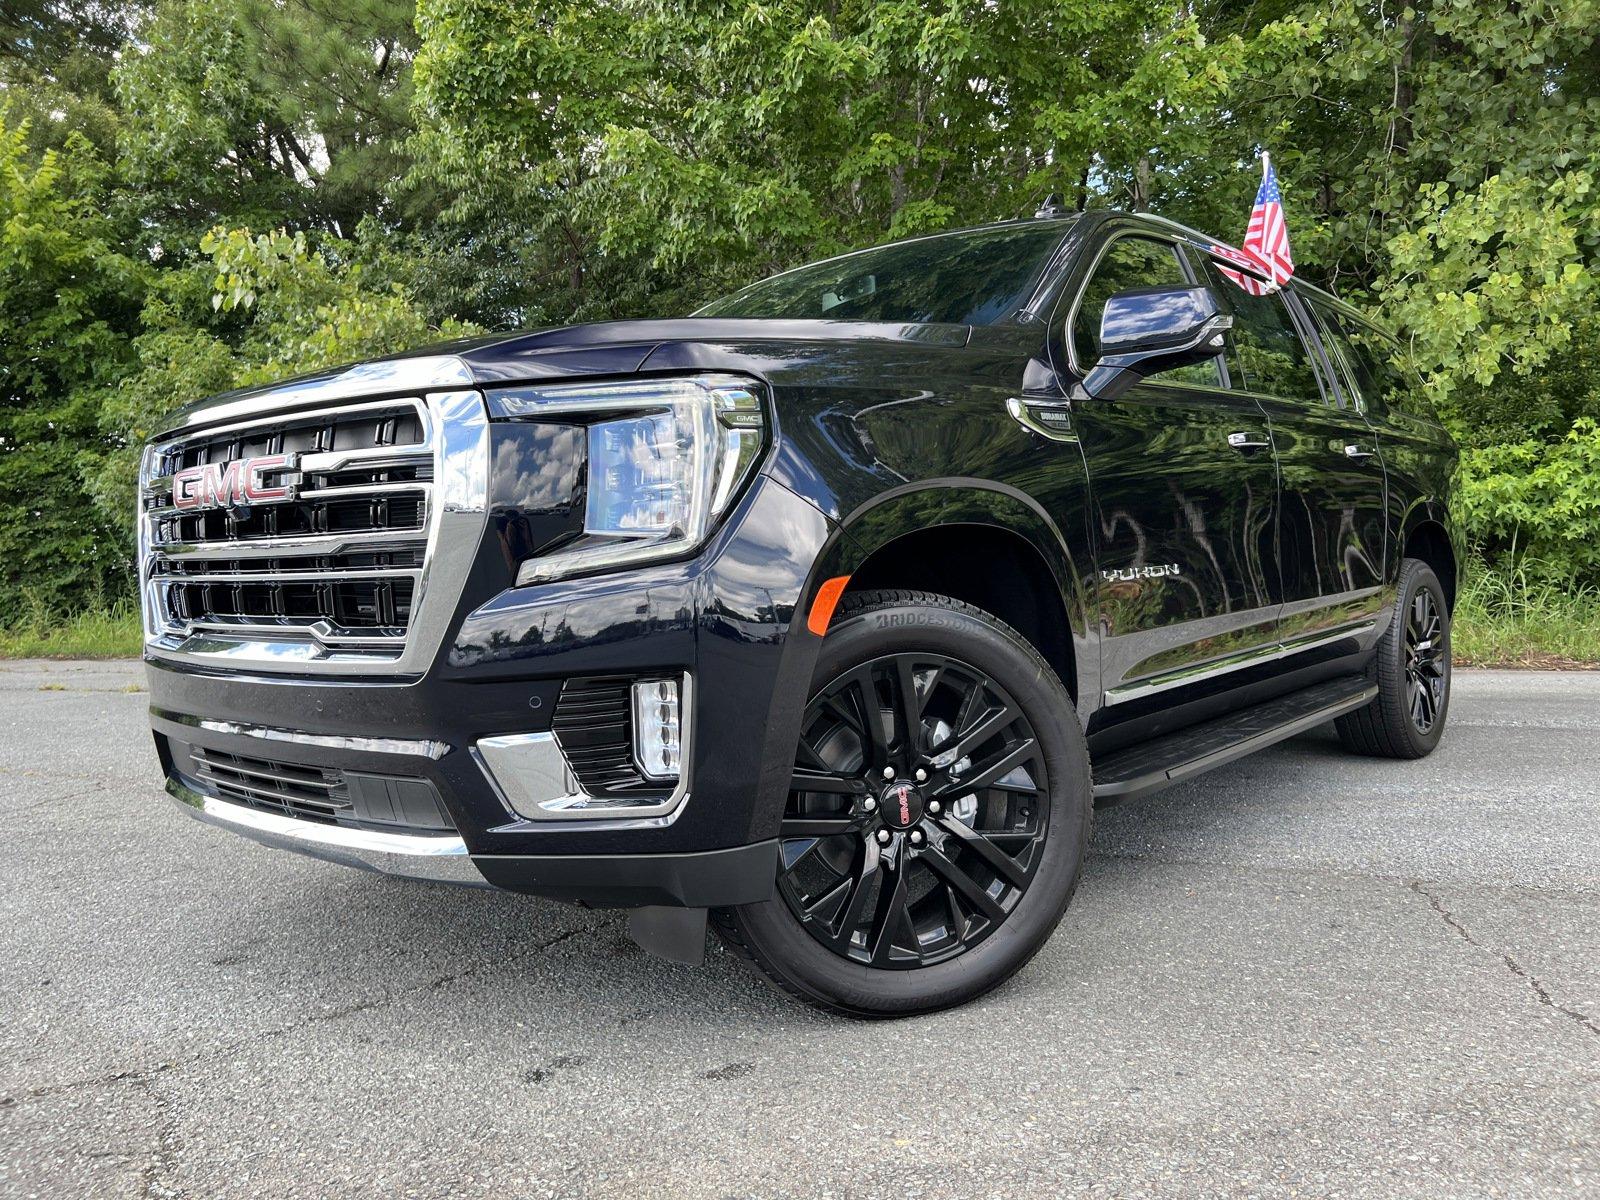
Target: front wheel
[(1406, 718), (938, 816)]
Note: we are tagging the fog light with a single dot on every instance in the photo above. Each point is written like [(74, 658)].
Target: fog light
[(657, 728)]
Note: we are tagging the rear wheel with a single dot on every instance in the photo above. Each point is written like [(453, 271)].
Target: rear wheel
[(937, 819), (1406, 718)]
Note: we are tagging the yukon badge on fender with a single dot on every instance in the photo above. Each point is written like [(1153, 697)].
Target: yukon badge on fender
[(1126, 574), (815, 618)]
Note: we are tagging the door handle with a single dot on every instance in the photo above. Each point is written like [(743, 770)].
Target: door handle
[(1247, 441), (1353, 450)]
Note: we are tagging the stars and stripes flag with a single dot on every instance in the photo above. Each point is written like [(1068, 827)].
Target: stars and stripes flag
[(1266, 242)]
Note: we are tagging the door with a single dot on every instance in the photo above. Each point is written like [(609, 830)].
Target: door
[(1331, 519), (1411, 441), (1183, 491)]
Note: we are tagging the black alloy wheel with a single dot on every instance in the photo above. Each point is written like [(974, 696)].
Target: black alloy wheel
[(1412, 669), (937, 816), (915, 822), (1426, 662)]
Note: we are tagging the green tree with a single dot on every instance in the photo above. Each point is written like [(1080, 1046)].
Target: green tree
[(267, 113), (68, 300), (712, 142)]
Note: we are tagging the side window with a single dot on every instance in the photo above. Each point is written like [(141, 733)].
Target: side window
[(1373, 360), (1131, 262), (1339, 347), (1266, 344)]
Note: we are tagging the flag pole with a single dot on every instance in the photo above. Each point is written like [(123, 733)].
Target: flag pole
[(1266, 160)]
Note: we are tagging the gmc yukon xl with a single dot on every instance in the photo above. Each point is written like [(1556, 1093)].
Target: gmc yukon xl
[(825, 615)]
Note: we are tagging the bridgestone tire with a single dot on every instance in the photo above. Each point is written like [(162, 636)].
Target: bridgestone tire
[(771, 937), (1386, 727)]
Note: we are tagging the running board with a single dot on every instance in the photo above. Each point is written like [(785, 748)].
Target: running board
[(1140, 770)]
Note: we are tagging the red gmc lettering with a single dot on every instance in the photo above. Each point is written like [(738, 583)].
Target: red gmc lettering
[(222, 485)]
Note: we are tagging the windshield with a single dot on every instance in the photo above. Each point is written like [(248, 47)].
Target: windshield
[(977, 278)]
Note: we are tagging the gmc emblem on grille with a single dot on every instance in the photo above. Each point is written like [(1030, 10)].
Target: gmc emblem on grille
[(242, 481)]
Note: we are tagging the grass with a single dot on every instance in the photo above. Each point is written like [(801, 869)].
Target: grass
[(1503, 618), (1507, 617), (107, 633)]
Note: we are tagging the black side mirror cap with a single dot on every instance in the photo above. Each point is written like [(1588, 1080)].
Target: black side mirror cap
[(1144, 331)]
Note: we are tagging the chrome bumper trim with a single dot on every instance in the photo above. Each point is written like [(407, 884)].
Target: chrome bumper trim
[(534, 780), (268, 733), (438, 858)]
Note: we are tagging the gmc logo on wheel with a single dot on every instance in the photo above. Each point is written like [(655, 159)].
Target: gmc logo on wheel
[(242, 481)]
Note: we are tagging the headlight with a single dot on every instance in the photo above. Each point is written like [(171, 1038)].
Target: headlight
[(665, 459)]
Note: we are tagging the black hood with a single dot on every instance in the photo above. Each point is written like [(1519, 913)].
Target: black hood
[(573, 351)]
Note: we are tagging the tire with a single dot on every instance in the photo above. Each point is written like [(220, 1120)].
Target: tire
[(891, 900), (1407, 717)]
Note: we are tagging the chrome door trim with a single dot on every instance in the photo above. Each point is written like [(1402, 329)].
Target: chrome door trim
[(1256, 655)]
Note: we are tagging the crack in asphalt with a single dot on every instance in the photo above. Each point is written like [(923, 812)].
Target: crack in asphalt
[(140, 1075), (164, 1156), (1511, 964), (97, 786), (145, 1076), (389, 997)]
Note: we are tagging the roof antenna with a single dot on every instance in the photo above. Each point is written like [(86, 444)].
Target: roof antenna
[(1053, 206)]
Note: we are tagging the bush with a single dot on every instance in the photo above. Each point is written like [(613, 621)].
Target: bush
[(1534, 506)]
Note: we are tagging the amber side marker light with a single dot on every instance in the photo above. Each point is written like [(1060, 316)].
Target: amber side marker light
[(827, 600)]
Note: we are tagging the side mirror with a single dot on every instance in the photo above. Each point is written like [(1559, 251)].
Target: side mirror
[(1144, 331)]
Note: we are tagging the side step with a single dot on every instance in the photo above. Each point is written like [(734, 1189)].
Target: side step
[(1140, 770)]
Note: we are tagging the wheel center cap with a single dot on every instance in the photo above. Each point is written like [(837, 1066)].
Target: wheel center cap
[(901, 805)]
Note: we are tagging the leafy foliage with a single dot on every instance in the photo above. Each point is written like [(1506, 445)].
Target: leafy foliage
[(203, 194), (1536, 502), (68, 297)]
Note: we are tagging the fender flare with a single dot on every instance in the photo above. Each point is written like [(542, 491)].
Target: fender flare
[(913, 508)]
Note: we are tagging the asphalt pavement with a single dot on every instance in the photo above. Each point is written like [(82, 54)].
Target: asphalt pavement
[(1305, 974)]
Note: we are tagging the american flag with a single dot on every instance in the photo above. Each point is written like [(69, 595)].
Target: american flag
[(1266, 242)]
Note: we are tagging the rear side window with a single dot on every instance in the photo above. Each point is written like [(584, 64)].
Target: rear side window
[(1267, 346), (1373, 358), (1131, 262)]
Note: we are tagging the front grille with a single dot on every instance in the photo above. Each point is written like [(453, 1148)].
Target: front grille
[(323, 795), (377, 510), (337, 566), (593, 722)]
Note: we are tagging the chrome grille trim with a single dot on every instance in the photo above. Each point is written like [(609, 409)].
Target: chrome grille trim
[(332, 574), (453, 454), (274, 786), (323, 544)]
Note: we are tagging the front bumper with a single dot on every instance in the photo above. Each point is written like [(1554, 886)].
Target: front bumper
[(725, 620), (740, 875), (438, 858)]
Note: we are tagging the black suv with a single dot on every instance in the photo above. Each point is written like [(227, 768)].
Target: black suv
[(829, 611)]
